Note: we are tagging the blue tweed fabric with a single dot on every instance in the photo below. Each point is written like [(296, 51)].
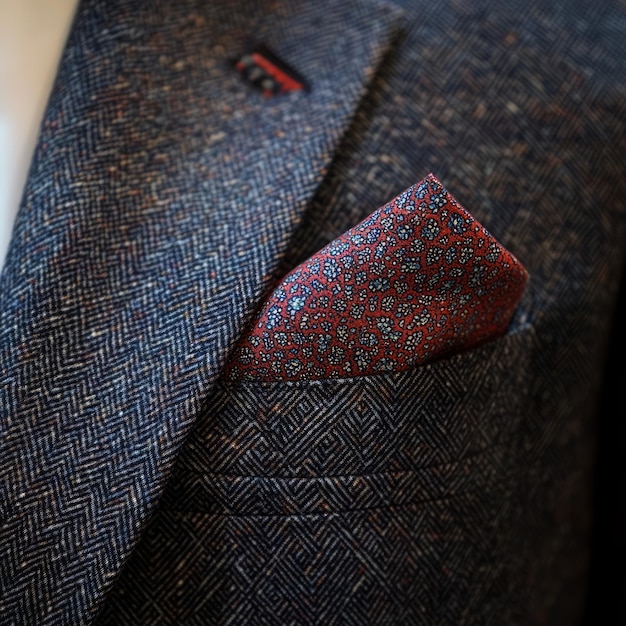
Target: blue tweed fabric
[(165, 198), (162, 193)]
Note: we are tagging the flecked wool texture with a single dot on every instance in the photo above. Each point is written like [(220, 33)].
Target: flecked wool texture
[(165, 199), (162, 193)]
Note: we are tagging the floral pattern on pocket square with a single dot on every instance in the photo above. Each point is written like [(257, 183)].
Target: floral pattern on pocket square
[(418, 279)]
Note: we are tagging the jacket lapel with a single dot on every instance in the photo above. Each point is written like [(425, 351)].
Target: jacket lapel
[(163, 193)]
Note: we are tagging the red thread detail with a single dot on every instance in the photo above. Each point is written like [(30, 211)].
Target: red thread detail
[(286, 82)]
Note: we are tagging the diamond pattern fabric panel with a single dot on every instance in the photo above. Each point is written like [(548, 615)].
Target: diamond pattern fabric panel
[(363, 500)]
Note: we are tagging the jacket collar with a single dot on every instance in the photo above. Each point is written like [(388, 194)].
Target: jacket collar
[(163, 193)]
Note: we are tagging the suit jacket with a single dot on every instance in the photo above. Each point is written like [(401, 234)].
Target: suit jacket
[(166, 196)]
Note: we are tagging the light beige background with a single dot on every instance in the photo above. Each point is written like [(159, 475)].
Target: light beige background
[(32, 37)]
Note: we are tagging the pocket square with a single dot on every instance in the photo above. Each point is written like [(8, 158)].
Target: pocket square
[(418, 279)]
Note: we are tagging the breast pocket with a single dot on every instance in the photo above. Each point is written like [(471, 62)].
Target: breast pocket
[(387, 499)]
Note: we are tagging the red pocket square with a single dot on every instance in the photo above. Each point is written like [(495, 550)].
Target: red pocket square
[(418, 279)]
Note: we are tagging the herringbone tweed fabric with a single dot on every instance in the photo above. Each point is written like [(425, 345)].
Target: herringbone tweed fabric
[(162, 193), (458, 493), (166, 197)]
